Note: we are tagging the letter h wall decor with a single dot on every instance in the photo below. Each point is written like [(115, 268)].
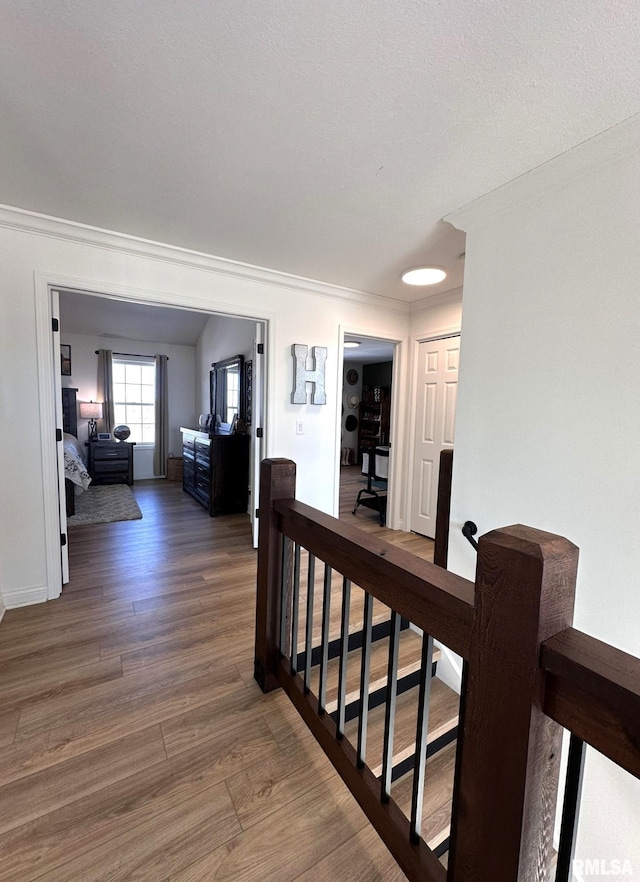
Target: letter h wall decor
[(303, 375)]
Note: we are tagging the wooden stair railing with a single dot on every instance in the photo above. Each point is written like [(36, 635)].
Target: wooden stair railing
[(443, 509), (527, 673)]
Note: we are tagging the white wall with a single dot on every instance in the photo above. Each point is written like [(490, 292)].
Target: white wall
[(35, 251), (350, 439), (222, 337), (548, 420), (180, 376), (437, 316)]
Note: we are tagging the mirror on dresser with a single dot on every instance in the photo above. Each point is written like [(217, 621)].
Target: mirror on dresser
[(227, 393)]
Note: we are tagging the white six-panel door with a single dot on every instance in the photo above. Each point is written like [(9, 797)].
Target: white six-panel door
[(437, 386)]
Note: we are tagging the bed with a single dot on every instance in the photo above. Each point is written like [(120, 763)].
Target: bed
[(77, 478), (75, 469)]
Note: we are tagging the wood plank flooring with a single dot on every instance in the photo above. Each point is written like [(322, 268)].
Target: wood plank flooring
[(134, 743), (351, 481)]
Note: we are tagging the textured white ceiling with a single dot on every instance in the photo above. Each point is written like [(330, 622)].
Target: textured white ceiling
[(321, 139), (82, 313)]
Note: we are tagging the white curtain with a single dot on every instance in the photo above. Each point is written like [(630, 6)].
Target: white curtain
[(162, 417), (105, 389)]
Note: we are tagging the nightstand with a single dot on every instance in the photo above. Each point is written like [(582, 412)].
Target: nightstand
[(111, 462)]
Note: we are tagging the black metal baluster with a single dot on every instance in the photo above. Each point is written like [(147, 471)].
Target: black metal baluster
[(390, 710), (295, 612), (570, 808), (284, 580), (324, 639), (422, 729), (344, 652), (308, 642), (363, 713), (456, 797)]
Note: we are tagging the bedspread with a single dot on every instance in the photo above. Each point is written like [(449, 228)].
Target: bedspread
[(74, 467)]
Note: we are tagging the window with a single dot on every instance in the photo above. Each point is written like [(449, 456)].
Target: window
[(134, 395)]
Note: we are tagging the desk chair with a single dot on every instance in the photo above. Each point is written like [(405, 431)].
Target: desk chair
[(375, 465)]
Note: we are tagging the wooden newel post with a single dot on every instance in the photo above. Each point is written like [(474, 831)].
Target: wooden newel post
[(443, 510), (508, 765), (277, 481)]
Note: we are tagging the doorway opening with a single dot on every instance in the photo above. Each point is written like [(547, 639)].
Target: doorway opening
[(366, 424), (193, 339)]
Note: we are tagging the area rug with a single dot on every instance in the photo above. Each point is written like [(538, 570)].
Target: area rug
[(104, 504)]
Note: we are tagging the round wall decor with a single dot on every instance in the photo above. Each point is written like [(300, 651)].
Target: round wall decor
[(351, 423), (352, 377)]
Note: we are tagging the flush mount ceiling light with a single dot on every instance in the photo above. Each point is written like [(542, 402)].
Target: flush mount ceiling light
[(350, 344), (424, 275)]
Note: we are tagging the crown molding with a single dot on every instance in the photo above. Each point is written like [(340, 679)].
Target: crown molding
[(71, 231), (454, 295), (601, 151)]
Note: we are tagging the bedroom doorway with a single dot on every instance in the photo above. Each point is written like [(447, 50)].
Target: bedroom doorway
[(90, 320)]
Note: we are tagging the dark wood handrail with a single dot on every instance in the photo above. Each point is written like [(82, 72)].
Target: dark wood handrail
[(434, 599), (593, 689), (527, 673)]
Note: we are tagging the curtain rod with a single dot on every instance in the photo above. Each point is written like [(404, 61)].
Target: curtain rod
[(132, 354)]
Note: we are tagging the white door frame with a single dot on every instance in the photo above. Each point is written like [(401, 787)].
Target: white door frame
[(62, 496), (47, 387), (257, 422), (44, 284)]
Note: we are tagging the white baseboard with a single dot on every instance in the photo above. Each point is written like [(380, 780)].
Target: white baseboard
[(25, 596)]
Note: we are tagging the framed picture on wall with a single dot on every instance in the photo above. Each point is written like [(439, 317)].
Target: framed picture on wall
[(65, 360)]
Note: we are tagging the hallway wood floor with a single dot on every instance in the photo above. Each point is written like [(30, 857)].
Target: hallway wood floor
[(351, 481), (134, 743)]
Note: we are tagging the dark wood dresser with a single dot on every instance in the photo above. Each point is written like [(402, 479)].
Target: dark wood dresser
[(110, 462), (216, 470)]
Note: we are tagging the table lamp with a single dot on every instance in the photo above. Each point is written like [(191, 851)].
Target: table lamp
[(92, 411)]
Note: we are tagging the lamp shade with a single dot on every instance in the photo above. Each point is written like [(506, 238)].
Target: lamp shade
[(90, 410)]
